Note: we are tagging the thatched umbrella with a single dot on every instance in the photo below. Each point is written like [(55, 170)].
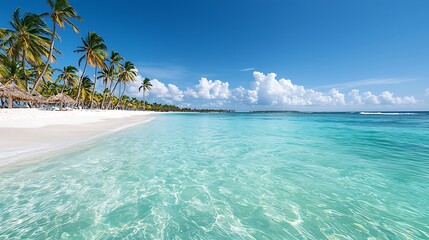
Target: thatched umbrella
[(38, 98), (13, 92), (61, 98)]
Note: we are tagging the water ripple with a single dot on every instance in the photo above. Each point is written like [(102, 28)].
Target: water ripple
[(230, 177)]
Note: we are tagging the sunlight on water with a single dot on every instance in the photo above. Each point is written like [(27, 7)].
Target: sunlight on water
[(231, 176)]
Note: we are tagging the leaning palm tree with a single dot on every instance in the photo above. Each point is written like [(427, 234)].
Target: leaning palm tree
[(68, 75), (27, 41), (107, 76), (95, 83), (94, 54), (111, 72), (126, 73), (85, 90), (146, 86), (61, 14), (37, 70)]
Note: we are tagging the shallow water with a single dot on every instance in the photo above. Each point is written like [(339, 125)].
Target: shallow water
[(231, 176)]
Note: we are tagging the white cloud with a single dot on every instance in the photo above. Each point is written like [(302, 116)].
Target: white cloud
[(208, 89), (337, 97), (385, 97), (370, 98), (355, 97), (159, 90), (427, 92), (267, 90), (169, 92), (388, 98), (247, 69)]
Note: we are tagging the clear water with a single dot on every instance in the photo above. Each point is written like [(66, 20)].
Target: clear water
[(231, 176)]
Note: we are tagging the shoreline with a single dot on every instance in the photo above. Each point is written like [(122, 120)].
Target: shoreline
[(30, 135)]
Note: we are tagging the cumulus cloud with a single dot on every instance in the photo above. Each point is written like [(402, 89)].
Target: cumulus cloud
[(208, 89), (356, 98), (385, 97), (168, 93), (370, 98), (266, 89), (388, 98)]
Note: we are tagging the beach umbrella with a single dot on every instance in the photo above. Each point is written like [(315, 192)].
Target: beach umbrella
[(38, 98), (61, 98), (13, 92)]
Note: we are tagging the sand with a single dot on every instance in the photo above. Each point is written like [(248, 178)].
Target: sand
[(29, 134)]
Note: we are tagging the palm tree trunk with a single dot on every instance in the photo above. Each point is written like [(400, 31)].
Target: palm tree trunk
[(80, 82), (119, 94), (64, 86), (62, 92), (104, 95), (144, 101), (23, 69), (122, 95), (51, 49), (93, 89), (111, 94)]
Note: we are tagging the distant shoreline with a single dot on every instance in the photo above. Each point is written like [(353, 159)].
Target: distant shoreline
[(356, 112)]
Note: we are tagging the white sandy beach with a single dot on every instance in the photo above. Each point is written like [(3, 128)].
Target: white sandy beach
[(32, 132)]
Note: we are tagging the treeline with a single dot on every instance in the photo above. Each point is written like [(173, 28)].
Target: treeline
[(136, 104), (28, 48)]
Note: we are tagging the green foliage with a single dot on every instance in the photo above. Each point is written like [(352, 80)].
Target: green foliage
[(27, 48)]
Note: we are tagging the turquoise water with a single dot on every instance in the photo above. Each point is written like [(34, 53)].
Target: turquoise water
[(231, 176)]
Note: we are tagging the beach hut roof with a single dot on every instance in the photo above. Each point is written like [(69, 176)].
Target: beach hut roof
[(15, 92), (39, 98), (60, 97)]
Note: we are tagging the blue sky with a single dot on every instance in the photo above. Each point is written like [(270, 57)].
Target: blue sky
[(328, 49)]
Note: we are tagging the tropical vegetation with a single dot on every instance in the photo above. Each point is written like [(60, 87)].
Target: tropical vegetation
[(27, 52)]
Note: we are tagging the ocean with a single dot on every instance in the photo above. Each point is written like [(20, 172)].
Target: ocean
[(231, 176)]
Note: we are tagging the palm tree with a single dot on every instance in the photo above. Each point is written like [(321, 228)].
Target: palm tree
[(94, 54), (126, 101), (61, 14), (85, 89), (97, 99), (28, 40), (127, 78), (126, 72), (146, 86), (111, 73), (10, 72), (106, 75), (49, 89), (68, 75), (37, 70)]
